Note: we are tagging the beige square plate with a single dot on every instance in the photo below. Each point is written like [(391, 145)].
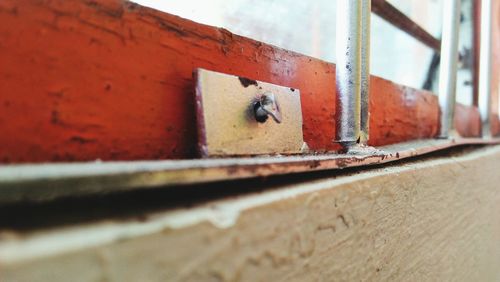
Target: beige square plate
[(226, 115)]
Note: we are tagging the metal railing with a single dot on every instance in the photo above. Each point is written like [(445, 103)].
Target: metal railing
[(352, 72), (485, 68), (391, 14), (353, 53), (448, 66)]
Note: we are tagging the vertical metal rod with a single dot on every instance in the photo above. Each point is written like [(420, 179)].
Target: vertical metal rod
[(485, 68), (448, 68), (348, 71), (365, 70)]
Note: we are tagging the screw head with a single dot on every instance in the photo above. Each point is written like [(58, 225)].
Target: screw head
[(266, 106), (260, 115)]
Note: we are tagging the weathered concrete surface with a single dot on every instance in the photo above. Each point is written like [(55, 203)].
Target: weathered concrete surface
[(431, 220)]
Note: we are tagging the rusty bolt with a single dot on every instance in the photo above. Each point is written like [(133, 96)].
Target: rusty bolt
[(266, 106)]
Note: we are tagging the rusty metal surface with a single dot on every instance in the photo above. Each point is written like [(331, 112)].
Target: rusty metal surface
[(231, 114), (51, 181), (391, 14)]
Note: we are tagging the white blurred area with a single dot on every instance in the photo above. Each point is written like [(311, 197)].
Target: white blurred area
[(308, 27)]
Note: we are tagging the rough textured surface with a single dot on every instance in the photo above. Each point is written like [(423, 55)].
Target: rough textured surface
[(226, 118), (433, 220), (108, 79), (111, 80), (40, 183)]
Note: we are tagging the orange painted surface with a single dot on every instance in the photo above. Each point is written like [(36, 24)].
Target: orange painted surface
[(495, 125), (111, 80), (399, 113), (467, 121)]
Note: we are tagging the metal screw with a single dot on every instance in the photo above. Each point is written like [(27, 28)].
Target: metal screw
[(266, 106)]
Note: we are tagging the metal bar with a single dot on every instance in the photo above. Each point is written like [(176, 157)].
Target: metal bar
[(348, 72), (25, 183), (448, 69), (391, 14), (476, 27), (485, 68), (365, 70)]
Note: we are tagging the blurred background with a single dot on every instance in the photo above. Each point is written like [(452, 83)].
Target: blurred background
[(308, 27)]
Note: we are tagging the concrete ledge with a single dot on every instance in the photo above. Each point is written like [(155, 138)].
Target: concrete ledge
[(425, 220)]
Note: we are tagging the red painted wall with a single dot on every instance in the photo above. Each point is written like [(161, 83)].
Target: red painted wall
[(111, 80)]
